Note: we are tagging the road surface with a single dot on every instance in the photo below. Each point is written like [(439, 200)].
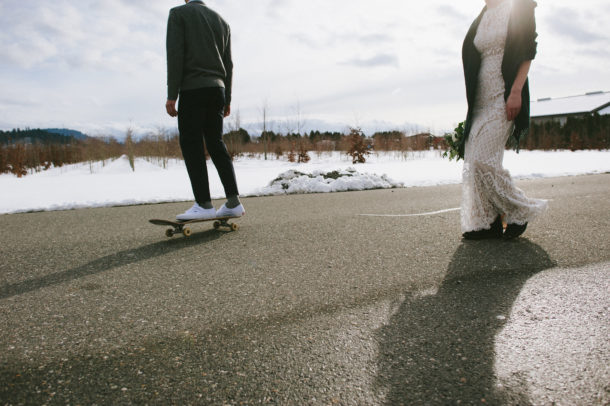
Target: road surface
[(346, 298)]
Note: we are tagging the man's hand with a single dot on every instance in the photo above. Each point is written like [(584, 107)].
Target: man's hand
[(227, 111), (513, 105), (170, 106)]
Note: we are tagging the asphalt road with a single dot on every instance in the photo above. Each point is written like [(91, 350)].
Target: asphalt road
[(310, 303)]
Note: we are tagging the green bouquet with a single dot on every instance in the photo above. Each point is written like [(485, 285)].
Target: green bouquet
[(456, 142)]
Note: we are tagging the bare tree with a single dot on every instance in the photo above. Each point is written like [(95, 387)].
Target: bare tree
[(303, 140), (299, 121), (234, 126), (129, 144), (289, 126), (264, 111), (161, 139)]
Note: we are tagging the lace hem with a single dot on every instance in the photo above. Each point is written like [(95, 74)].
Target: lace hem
[(488, 192)]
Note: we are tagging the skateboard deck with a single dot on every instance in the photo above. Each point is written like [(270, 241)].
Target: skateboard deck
[(181, 227)]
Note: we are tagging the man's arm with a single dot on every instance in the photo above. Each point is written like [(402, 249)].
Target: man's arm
[(175, 60), (227, 60), (170, 107)]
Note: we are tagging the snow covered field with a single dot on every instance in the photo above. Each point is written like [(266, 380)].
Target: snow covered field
[(114, 183)]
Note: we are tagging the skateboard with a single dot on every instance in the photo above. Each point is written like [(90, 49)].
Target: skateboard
[(180, 227)]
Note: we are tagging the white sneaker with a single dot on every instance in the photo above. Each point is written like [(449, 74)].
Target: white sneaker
[(224, 211), (197, 213)]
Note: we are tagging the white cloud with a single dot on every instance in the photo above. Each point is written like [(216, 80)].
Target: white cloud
[(102, 35), (573, 25), (379, 60), (98, 64)]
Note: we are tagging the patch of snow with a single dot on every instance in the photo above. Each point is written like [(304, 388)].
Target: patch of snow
[(295, 182), (113, 183)]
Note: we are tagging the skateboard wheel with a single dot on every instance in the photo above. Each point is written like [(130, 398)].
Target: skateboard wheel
[(234, 227), (216, 225), (187, 232), (169, 233)]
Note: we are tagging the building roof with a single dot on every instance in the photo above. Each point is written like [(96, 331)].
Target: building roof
[(586, 103)]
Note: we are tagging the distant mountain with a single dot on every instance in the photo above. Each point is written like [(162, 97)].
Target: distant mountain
[(37, 135), (310, 124), (67, 133)]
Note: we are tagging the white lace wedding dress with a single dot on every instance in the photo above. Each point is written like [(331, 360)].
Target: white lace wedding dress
[(488, 189)]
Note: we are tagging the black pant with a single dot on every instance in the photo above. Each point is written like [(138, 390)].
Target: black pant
[(200, 116)]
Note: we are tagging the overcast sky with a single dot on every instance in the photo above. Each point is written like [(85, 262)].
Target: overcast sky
[(99, 65)]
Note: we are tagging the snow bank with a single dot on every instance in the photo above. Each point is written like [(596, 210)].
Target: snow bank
[(113, 183), (295, 182)]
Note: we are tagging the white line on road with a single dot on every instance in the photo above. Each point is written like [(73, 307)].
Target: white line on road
[(411, 215)]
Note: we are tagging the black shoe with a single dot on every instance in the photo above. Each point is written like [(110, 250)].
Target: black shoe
[(514, 231), (494, 231), (497, 229)]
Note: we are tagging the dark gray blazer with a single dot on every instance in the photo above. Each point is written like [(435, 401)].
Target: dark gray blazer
[(198, 50), (520, 46)]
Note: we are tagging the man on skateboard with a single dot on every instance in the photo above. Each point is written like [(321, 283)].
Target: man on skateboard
[(200, 71)]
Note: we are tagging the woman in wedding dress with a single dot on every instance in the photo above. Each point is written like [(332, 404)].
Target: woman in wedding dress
[(497, 54)]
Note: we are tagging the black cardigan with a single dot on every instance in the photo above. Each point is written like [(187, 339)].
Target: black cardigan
[(520, 46)]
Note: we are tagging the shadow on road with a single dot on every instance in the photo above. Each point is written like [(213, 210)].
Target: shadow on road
[(438, 348), (109, 262)]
